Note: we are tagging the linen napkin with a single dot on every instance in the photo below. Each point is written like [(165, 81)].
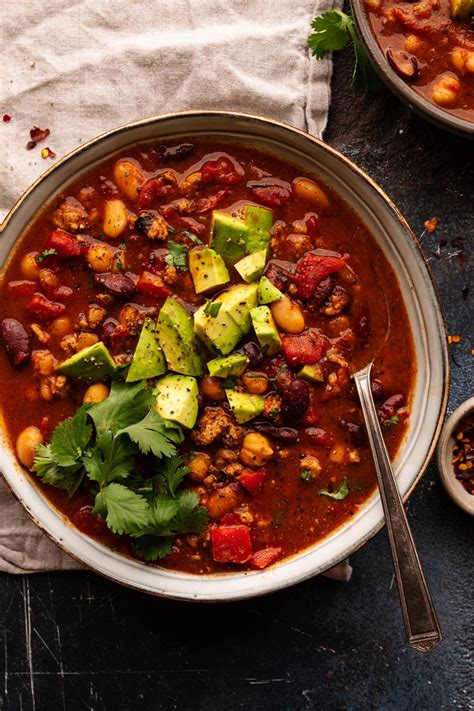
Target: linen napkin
[(81, 68)]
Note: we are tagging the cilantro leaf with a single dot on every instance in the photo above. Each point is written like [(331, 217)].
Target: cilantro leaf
[(177, 256), (191, 518), (174, 472), (151, 435), (51, 473), (70, 439), (151, 548), (124, 510), (194, 238), (306, 475), (212, 308), (338, 495), (110, 459), (45, 253), (126, 404), (393, 420)]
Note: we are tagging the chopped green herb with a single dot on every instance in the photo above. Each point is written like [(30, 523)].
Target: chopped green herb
[(194, 238), (123, 245), (45, 253), (332, 32), (394, 420), (177, 256), (338, 495), (229, 383), (212, 308), (306, 475)]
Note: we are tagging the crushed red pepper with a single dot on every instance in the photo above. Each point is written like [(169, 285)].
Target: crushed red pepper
[(7, 118), (463, 453), (47, 153), (37, 135), (431, 225)]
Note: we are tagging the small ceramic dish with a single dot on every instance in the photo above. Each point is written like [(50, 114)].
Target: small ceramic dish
[(445, 454)]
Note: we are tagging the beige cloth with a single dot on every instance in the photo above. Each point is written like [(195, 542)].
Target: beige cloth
[(81, 68)]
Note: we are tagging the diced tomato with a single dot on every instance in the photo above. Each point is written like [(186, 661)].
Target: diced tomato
[(65, 244), (221, 171), (312, 225), (45, 427), (43, 309), (230, 519), (155, 190), (22, 287), (312, 269), (275, 194), (86, 522), (231, 544), (311, 416), (210, 203), (252, 480), (264, 557), (305, 348), (152, 285)]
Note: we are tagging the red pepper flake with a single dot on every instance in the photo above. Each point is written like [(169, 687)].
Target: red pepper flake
[(454, 339), (431, 225), (37, 135), (463, 453), (47, 153), (6, 118)]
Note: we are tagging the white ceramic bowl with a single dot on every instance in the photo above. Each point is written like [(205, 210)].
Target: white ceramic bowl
[(445, 454), (402, 250)]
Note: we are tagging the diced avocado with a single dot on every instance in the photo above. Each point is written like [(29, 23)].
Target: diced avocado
[(177, 399), (92, 363), (237, 302), (267, 291), (313, 373), (259, 221), (251, 266), (175, 333), (207, 269), (219, 332), (265, 329), (233, 364), (462, 8), (228, 236), (148, 360), (244, 406)]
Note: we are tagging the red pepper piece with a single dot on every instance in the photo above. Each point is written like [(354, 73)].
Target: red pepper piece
[(252, 480), (230, 519), (231, 544), (45, 427), (152, 285), (264, 557), (65, 244), (221, 171), (210, 203), (271, 194), (23, 287), (305, 348), (38, 134), (155, 190), (312, 269), (86, 522), (43, 309)]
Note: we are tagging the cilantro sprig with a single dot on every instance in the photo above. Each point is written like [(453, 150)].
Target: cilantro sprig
[(177, 256), (339, 494), (126, 454), (332, 31)]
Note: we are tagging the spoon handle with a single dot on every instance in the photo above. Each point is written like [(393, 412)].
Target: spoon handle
[(418, 612)]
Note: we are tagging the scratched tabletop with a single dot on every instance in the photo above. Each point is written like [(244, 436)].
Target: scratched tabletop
[(76, 641)]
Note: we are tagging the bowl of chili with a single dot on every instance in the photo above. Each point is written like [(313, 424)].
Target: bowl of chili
[(456, 454), (282, 392), (424, 55)]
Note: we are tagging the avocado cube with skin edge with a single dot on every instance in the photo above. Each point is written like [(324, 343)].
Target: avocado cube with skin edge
[(244, 406), (259, 221), (93, 364), (228, 236), (227, 366), (148, 360), (175, 333)]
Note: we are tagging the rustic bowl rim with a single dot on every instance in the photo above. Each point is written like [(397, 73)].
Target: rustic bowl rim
[(445, 447)]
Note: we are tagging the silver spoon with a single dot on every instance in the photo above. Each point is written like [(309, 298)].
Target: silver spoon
[(419, 615)]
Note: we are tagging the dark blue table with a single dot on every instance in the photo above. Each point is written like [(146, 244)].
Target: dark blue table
[(75, 641)]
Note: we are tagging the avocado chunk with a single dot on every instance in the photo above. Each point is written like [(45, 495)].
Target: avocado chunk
[(237, 302), (265, 329), (251, 266), (259, 221), (92, 363), (313, 373), (244, 406), (175, 333), (177, 399), (267, 291), (228, 236), (462, 8), (219, 332), (207, 269), (233, 364), (148, 360)]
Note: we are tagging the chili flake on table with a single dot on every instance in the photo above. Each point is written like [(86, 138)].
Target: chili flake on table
[(463, 453)]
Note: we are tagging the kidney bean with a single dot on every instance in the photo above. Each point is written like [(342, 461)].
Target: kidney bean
[(222, 171), (274, 194), (390, 407), (404, 64), (107, 330), (323, 291), (319, 437), (357, 434), (15, 341), (278, 274), (43, 309), (295, 400), (118, 284), (175, 153), (282, 434), (377, 388), (253, 352), (362, 325)]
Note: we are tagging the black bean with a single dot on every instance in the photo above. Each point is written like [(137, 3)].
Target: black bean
[(118, 284), (295, 400), (357, 434), (283, 434), (175, 153), (253, 352), (323, 291), (15, 341)]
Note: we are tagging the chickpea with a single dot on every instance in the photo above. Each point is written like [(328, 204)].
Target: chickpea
[(309, 191), (288, 315), (48, 279), (30, 267), (374, 4), (128, 178), (115, 218), (311, 464), (96, 393), (256, 450), (446, 90), (412, 44), (60, 326), (199, 466), (212, 388), (84, 340), (100, 258), (462, 60), (255, 383), (131, 317), (224, 500), (26, 444)]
